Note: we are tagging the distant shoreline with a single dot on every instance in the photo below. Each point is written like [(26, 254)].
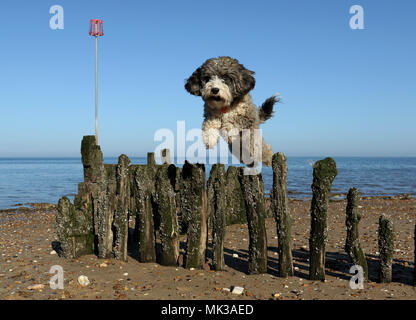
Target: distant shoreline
[(32, 180), (21, 207)]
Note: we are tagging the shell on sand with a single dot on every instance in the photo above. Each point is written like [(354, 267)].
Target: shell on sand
[(83, 281), (36, 287)]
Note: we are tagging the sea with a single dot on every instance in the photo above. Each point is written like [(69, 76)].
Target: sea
[(34, 180)]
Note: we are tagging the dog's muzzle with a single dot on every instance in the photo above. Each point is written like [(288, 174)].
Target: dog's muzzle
[(214, 96)]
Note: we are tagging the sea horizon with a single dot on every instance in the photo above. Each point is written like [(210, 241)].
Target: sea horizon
[(144, 156), (46, 179)]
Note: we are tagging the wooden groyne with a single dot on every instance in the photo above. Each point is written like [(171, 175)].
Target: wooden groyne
[(165, 202)]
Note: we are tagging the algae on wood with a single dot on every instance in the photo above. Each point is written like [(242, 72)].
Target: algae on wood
[(165, 207), (74, 230), (282, 215), (236, 210), (102, 179), (324, 173), (106, 202), (386, 248), (143, 189), (414, 268), (151, 159), (92, 159), (175, 176), (121, 215), (352, 242), (217, 213), (253, 194), (194, 213)]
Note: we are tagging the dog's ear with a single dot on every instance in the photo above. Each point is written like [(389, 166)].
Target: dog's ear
[(193, 83), (248, 82)]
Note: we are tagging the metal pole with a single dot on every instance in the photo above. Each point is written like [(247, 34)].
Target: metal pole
[(96, 90)]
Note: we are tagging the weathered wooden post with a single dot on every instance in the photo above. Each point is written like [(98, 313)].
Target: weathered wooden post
[(324, 173), (76, 223), (352, 242), (100, 179), (253, 194), (151, 159), (386, 248), (175, 176), (165, 154), (165, 205), (236, 210), (143, 189), (217, 212), (121, 215), (282, 214), (194, 210), (74, 228), (92, 160), (106, 203), (414, 268)]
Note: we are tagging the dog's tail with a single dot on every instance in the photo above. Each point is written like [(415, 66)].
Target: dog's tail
[(266, 109)]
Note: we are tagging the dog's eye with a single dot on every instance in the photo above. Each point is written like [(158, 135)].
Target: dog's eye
[(226, 78), (206, 78)]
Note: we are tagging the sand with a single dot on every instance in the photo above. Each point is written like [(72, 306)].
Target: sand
[(27, 240)]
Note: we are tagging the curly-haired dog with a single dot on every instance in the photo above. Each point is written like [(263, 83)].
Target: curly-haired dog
[(224, 85)]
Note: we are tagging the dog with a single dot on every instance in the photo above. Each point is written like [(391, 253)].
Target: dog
[(224, 85)]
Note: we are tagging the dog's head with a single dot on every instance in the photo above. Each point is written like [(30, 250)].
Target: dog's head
[(220, 81)]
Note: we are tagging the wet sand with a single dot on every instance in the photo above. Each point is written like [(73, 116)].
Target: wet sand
[(27, 239)]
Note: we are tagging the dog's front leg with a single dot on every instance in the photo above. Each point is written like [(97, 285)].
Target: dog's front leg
[(211, 132)]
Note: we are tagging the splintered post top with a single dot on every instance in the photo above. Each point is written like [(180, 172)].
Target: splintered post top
[(96, 28)]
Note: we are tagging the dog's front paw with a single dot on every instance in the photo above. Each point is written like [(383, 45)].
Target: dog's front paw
[(211, 137), (210, 143)]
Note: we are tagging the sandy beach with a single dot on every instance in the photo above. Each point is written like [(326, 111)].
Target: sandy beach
[(27, 239)]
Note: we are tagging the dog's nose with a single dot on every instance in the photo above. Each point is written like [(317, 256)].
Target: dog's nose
[(215, 90)]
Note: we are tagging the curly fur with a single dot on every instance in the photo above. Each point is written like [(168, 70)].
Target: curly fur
[(224, 85)]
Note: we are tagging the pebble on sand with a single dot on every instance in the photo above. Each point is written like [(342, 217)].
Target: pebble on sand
[(83, 281), (237, 290), (36, 287)]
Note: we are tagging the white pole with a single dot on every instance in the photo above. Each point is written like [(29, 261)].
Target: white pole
[(96, 90)]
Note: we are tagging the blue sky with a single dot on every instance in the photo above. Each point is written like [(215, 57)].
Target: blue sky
[(346, 92)]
